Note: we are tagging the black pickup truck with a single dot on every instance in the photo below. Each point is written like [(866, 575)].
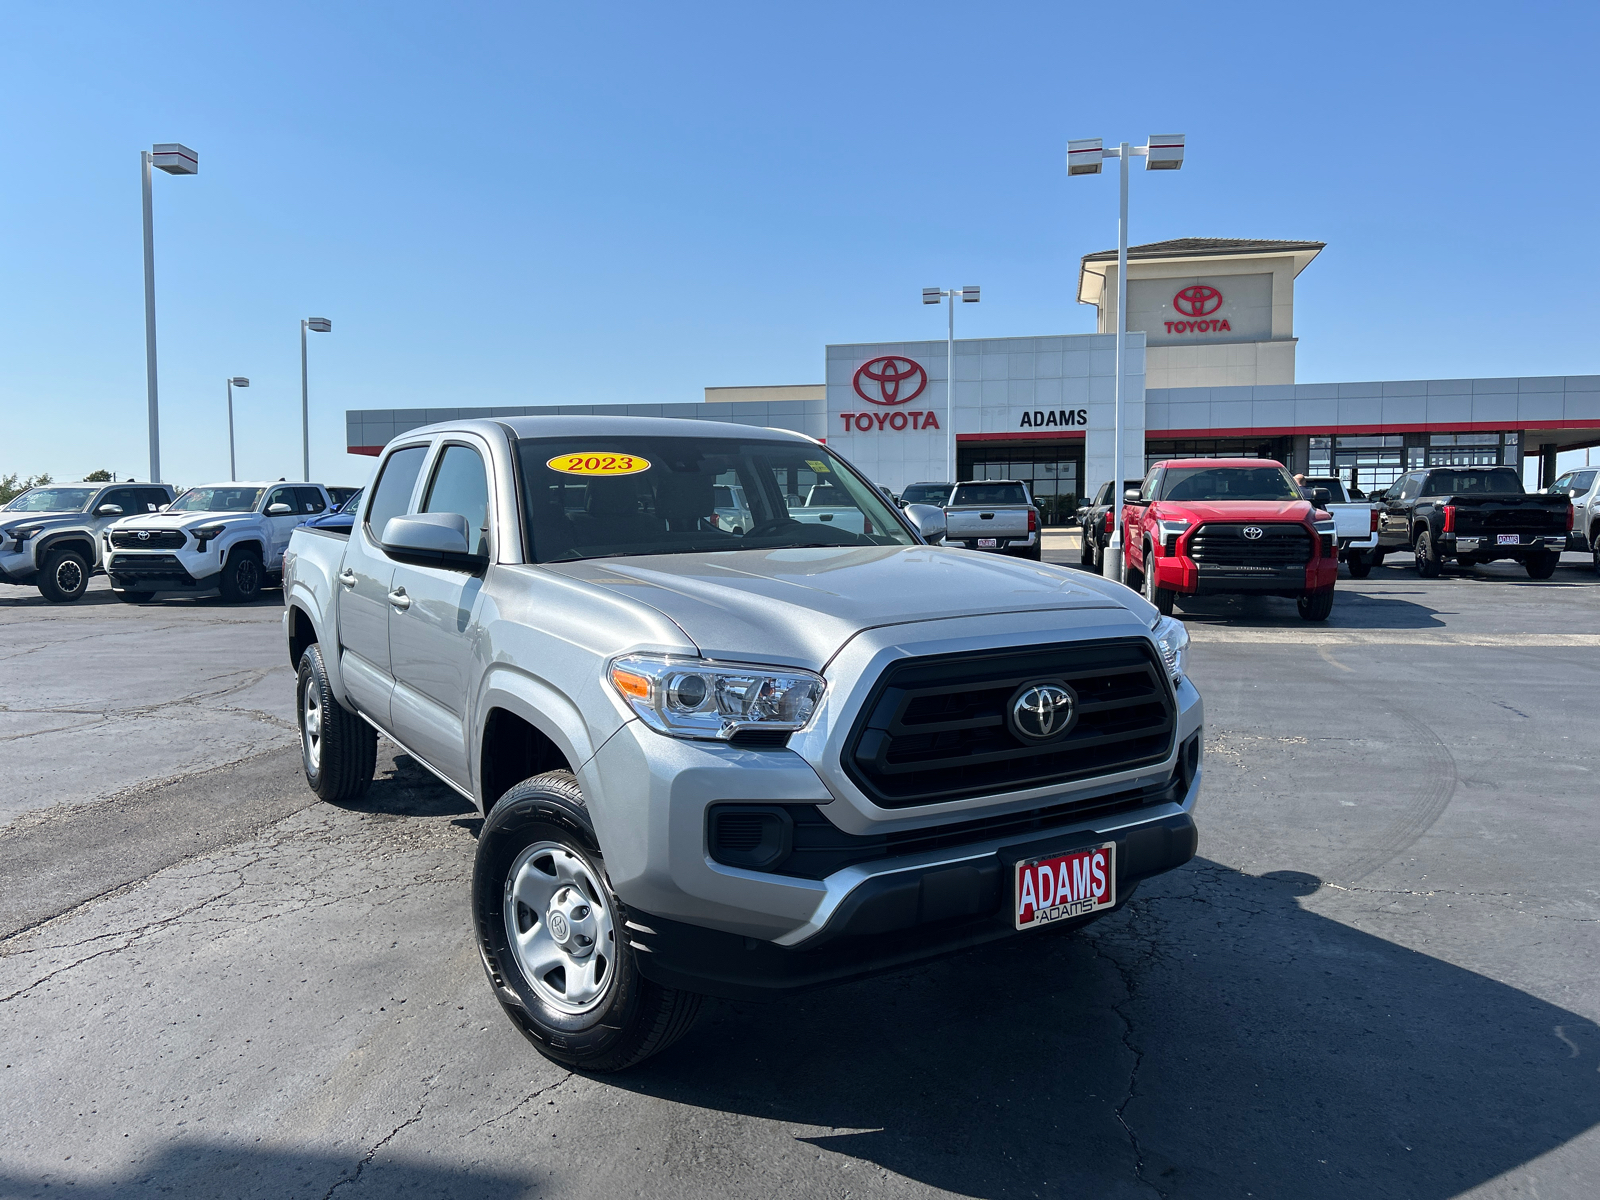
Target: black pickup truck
[(1473, 515), (1095, 519)]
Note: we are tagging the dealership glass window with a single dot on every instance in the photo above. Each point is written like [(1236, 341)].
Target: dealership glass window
[(1050, 471)]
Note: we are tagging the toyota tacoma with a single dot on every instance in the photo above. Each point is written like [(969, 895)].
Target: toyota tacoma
[(50, 536), (728, 764), (1220, 526)]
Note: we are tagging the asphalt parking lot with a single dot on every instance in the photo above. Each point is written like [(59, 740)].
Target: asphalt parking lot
[(1378, 978)]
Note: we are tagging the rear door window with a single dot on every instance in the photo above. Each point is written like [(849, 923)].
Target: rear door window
[(391, 495)]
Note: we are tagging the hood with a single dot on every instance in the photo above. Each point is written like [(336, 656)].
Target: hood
[(24, 520), (180, 520), (798, 607), (1239, 510)]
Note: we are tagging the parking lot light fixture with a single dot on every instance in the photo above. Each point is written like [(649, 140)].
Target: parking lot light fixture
[(1085, 156), (233, 382), (967, 295), (316, 325), (174, 159)]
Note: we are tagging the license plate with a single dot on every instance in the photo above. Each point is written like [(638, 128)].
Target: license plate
[(988, 543), (1065, 885), (1509, 539)]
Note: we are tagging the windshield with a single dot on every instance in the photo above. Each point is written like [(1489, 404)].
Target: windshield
[(349, 506), (989, 493), (52, 499), (599, 497), (1501, 482), (925, 493), (1228, 483), (217, 499)]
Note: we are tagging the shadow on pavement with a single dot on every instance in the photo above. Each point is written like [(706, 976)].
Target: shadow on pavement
[(403, 787), (1249, 1045), (212, 1169)]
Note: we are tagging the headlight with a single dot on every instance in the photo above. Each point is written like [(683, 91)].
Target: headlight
[(22, 535), (1172, 528), (692, 698), (1173, 639), (1326, 528)]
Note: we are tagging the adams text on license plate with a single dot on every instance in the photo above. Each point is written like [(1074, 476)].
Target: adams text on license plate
[(1065, 885)]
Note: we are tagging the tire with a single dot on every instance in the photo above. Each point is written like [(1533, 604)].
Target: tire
[(242, 575), (1358, 562), (1086, 552), (64, 575), (1099, 559), (1594, 549), (338, 750), (1161, 597), (1035, 552), (1541, 566), (1315, 606), (538, 844), (1428, 564)]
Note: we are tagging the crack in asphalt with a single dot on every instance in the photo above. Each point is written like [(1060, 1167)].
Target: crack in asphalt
[(531, 1096), (385, 1140)]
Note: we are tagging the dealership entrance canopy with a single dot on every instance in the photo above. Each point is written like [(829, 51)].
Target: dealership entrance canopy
[(1210, 372)]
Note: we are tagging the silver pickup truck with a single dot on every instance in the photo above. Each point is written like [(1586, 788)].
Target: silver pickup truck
[(994, 514), (729, 764)]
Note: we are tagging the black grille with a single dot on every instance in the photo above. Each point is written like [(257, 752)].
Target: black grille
[(935, 728), (152, 539), (1283, 544)]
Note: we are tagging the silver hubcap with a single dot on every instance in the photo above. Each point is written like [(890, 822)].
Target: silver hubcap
[(560, 927), (69, 575), (311, 724)]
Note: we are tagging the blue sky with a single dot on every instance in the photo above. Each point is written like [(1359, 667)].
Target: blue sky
[(535, 203)]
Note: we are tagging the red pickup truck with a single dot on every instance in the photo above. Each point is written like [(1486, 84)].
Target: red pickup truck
[(1219, 526)]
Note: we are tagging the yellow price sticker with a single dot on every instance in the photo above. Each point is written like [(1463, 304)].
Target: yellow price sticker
[(596, 463), (821, 468)]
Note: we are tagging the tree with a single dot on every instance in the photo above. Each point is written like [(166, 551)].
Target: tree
[(11, 487), (100, 476)]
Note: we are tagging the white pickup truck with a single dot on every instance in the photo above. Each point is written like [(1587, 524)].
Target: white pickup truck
[(722, 763), (994, 514), (1355, 523), (224, 536)]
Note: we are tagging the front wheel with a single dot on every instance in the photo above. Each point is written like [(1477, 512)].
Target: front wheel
[(1358, 562), (1541, 566), (241, 575), (551, 934), (1594, 549), (1315, 606), (1428, 563), (1161, 597), (64, 576), (338, 750)]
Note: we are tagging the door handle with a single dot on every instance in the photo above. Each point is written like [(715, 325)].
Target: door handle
[(347, 577), (399, 599)]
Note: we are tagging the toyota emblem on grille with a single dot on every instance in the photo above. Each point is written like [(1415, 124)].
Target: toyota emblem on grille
[(1042, 710), (1253, 532), (143, 535)]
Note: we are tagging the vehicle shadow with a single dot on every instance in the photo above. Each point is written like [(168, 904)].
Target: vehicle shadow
[(1213, 1038), (214, 1168), (403, 787)]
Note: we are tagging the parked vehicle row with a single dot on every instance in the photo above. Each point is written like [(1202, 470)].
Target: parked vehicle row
[(227, 537), (730, 763), (1472, 515)]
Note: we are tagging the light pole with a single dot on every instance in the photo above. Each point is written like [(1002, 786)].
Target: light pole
[(316, 325), (174, 159), (967, 295), (1164, 152), (233, 382)]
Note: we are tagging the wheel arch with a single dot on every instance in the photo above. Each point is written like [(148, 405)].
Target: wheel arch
[(523, 719), (76, 539)]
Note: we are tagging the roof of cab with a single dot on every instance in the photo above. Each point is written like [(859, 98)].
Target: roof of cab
[(612, 427), (1219, 462)]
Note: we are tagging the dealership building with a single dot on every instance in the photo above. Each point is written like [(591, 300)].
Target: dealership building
[(1210, 372)]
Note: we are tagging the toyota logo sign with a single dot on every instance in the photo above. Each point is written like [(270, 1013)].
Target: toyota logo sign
[(143, 535), (1198, 300), (1253, 532), (1041, 711), (890, 380)]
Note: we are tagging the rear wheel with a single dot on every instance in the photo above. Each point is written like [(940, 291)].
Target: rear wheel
[(241, 575), (1428, 564), (338, 750), (1315, 606), (64, 575), (550, 931), (1542, 565), (1358, 562)]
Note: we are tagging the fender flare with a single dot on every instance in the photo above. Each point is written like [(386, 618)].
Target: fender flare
[(535, 701), (48, 542)]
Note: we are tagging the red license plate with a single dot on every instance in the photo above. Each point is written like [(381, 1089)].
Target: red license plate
[(988, 543), (1065, 885)]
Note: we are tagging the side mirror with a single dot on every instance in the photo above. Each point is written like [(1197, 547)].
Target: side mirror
[(432, 539), (1130, 496), (109, 510), (162, 507), (1320, 497), (928, 520), (278, 510)]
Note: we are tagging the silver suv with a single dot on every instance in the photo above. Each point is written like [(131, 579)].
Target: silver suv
[(50, 536), (730, 763), (1582, 488)]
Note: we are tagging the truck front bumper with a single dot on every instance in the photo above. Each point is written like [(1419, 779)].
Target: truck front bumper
[(150, 571), (1188, 578), (17, 567)]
